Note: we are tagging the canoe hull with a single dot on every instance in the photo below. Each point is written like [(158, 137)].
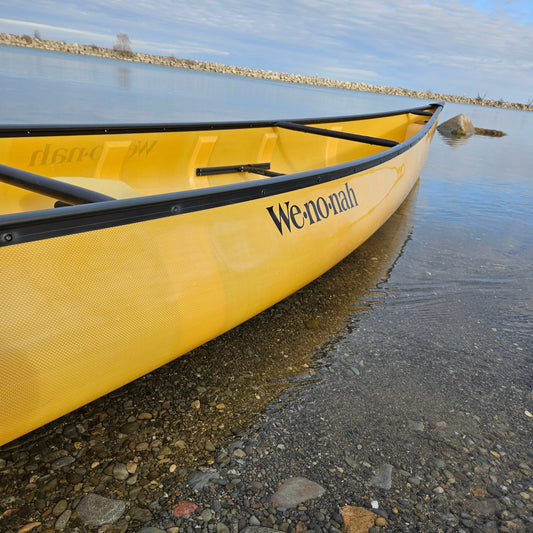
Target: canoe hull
[(85, 313)]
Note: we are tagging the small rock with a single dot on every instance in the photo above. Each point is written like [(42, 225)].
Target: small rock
[(62, 521), (120, 472), (206, 515), (383, 477), (415, 425), (458, 126), (485, 507), (62, 462), (184, 508), (140, 513), (131, 428), (254, 521), (351, 461), (97, 510), (150, 529), (29, 527), (200, 480), (296, 490), (357, 519), (60, 507)]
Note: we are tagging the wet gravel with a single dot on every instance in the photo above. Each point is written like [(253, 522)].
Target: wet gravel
[(431, 432)]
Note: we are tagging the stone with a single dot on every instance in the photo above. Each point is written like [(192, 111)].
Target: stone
[(485, 507), (206, 515), (120, 472), (357, 519), (62, 462), (222, 528), (60, 507), (458, 126), (62, 521), (200, 480), (383, 477), (150, 529), (97, 510), (184, 508), (296, 490), (140, 513), (258, 529), (29, 527)]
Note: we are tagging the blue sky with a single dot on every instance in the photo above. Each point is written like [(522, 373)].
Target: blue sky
[(463, 47)]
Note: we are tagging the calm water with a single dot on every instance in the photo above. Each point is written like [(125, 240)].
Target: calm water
[(458, 287)]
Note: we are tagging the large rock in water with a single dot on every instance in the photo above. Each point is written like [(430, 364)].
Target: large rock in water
[(458, 126)]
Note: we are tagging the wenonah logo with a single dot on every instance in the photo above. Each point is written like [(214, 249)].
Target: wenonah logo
[(288, 216)]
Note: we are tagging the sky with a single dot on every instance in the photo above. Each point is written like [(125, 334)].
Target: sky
[(460, 47)]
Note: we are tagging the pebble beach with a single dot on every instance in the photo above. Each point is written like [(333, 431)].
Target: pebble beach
[(262, 442)]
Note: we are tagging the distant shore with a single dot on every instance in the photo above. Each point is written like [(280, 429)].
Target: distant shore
[(171, 61)]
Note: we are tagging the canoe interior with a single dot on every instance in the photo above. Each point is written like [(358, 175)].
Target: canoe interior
[(143, 163)]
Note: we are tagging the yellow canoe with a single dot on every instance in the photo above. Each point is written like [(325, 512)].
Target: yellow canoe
[(123, 247)]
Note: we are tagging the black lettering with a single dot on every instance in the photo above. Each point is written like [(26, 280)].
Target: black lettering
[(335, 204), (344, 201), (295, 211), (321, 202), (294, 216), (351, 195), (308, 211), (283, 217)]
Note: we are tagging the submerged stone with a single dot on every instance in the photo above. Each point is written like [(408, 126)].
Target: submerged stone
[(357, 519), (383, 477), (296, 490), (97, 510)]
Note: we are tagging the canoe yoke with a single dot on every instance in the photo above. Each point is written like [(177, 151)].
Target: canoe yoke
[(264, 168), (378, 141)]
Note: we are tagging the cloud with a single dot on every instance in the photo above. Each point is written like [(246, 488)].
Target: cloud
[(464, 46)]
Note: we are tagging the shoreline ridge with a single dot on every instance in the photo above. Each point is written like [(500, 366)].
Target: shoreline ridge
[(27, 41)]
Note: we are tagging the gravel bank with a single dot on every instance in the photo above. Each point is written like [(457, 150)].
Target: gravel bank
[(74, 48)]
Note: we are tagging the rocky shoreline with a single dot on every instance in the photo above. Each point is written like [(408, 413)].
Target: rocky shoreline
[(240, 435), (170, 61)]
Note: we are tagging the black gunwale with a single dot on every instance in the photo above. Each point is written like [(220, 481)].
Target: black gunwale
[(29, 226)]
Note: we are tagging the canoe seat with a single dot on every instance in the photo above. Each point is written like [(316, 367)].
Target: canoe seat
[(115, 188)]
